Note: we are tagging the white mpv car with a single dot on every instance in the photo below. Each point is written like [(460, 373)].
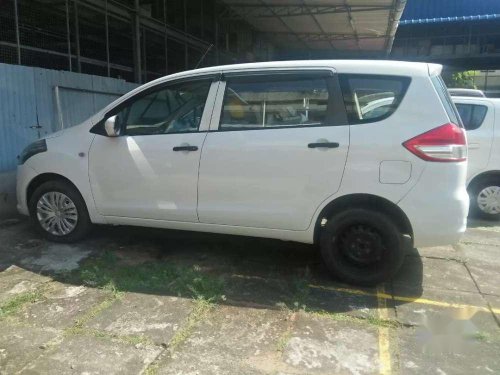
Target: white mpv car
[(289, 150), (481, 118)]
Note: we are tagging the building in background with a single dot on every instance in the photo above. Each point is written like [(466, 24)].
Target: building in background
[(140, 40), (460, 34)]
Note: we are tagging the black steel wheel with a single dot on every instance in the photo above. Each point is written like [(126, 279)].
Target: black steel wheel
[(362, 247)]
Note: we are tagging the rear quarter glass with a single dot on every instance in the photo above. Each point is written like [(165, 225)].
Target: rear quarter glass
[(445, 98), (372, 97)]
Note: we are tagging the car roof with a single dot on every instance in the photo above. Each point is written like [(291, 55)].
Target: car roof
[(466, 92), (383, 67), (389, 67)]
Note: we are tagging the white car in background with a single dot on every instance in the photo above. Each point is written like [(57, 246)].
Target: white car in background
[(481, 119), (292, 150)]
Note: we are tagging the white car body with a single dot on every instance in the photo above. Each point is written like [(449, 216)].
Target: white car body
[(263, 183), (483, 142)]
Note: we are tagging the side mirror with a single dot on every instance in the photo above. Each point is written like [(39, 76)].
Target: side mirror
[(110, 126)]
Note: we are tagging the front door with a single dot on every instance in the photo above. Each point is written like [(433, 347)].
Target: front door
[(151, 171), (276, 150)]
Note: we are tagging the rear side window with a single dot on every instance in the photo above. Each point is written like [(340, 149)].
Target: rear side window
[(472, 115), (273, 102), (444, 95), (370, 98)]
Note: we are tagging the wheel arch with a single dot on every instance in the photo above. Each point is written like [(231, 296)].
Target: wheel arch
[(367, 201), (45, 177), (481, 176)]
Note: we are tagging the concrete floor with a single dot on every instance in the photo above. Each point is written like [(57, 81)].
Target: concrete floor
[(132, 301)]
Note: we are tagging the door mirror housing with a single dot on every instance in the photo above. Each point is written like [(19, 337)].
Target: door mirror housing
[(110, 125)]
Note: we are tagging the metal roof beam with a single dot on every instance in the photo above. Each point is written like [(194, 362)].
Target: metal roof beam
[(330, 36), (290, 30), (271, 11)]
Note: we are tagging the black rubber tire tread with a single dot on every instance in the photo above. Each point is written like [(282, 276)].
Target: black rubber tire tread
[(83, 225), (474, 210), (342, 269)]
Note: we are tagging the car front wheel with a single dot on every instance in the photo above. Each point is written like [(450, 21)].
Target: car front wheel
[(59, 212), (362, 247)]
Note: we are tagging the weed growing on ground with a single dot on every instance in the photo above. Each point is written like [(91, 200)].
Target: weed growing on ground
[(17, 302), (371, 320), (201, 309), (149, 277), (283, 341)]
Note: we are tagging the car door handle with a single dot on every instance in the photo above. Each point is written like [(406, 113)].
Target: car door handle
[(185, 148), (323, 145)]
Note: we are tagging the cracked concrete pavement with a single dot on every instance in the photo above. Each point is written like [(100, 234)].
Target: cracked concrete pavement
[(142, 301)]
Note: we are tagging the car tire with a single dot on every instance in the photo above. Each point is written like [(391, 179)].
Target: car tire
[(58, 212), (486, 189), (362, 247)]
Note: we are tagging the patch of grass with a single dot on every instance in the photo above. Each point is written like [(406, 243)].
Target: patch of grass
[(78, 326), (301, 291), (201, 309), (127, 339), (151, 277), (17, 302), (371, 320), (152, 369), (283, 341), (481, 336)]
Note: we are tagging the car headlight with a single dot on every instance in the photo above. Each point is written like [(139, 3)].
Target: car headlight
[(32, 149)]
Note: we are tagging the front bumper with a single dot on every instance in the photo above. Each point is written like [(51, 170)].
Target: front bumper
[(25, 174)]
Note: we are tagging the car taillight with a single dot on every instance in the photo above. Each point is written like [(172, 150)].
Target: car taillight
[(446, 143)]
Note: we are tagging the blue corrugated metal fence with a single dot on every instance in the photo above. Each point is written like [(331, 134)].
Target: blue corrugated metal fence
[(35, 102)]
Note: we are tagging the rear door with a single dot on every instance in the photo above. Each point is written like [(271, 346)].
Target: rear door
[(478, 118), (276, 149)]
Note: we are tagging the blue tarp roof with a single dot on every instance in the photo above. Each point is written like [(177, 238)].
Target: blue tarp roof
[(434, 11)]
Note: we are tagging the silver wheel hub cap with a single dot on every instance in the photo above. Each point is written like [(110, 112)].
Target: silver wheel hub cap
[(488, 200), (56, 213)]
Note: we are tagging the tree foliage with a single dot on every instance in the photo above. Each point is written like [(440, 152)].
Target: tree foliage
[(463, 80)]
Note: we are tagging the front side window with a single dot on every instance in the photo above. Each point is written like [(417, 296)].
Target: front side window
[(177, 108), (370, 98), (272, 102), (472, 115)]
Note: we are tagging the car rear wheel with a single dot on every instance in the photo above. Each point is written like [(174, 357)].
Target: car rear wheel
[(485, 199), (362, 247), (59, 212)]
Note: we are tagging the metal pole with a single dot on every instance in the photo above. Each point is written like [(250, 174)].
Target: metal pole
[(165, 36), (186, 63), (106, 22), (216, 34), (202, 21), (77, 36), (18, 38), (137, 44), (144, 56), (68, 36)]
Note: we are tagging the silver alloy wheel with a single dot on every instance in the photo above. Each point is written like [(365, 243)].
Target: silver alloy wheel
[(488, 200), (56, 213)]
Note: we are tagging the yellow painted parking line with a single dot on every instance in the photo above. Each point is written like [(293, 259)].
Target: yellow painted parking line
[(423, 301), (384, 351)]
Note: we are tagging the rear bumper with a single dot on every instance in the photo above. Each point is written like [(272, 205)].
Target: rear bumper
[(437, 206)]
